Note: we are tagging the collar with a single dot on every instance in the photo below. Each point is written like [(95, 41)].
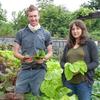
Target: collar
[(34, 28)]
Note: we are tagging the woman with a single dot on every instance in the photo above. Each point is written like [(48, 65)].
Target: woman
[(80, 47)]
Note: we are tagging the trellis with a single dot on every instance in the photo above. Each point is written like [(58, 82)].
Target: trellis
[(90, 16)]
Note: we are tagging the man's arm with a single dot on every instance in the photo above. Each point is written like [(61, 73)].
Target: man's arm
[(49, 52), (16, 49)]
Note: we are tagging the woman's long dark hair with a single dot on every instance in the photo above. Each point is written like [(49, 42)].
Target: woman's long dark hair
[(79, 23)]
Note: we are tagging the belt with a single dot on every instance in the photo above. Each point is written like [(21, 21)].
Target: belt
[(35, 67)]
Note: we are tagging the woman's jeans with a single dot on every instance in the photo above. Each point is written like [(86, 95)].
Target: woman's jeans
[(82, 90)]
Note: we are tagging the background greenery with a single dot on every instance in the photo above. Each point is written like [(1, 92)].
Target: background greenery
[(56, 19)]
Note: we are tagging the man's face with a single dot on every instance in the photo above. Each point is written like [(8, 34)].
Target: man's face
[(33, 18)]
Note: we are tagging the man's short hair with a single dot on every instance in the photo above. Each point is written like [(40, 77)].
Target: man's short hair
[(30, 9)]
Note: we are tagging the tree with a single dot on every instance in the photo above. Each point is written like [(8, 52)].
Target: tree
[(93, 4), (2, 14), (55, 19), (6, 28), (19, 19), (44, 3)]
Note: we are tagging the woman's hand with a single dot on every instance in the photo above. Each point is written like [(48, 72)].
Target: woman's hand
[(75, 73)]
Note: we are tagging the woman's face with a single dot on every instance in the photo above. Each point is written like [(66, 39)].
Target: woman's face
[(76, 31)]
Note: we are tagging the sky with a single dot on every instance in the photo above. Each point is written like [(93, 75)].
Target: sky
[(19, 5)]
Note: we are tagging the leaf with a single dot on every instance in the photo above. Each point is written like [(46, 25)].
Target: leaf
[(82, 72), (73, 97), (75, 67), (68, 73), (40, 54), (83, 66)]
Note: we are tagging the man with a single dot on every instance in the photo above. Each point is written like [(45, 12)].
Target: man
[(28, 42)]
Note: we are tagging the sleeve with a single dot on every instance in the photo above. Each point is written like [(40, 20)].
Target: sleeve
[(64, 57), (93, 56), (18, 38), (48, 39)]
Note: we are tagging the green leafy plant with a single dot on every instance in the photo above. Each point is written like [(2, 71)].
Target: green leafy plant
[(52, 86), (40, 54), (76, 67)]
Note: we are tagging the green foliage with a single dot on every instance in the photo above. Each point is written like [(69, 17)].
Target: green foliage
[(55, 19), (6, 29), (96, 90), (76, 67), (52, 86), (93, 4), (12, 65), (67, 72), (19, 19), (9, 59), (94, 24), (2, 13), (43, 3), (95, 35), (84, 11), (40, 54)]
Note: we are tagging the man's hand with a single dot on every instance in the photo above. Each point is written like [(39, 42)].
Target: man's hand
[(27, 59)]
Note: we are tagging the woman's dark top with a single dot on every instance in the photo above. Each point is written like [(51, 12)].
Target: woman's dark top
[(90, 57)]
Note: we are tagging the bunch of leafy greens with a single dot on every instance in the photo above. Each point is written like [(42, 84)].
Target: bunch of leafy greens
[(40, 54), (76, 67)]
